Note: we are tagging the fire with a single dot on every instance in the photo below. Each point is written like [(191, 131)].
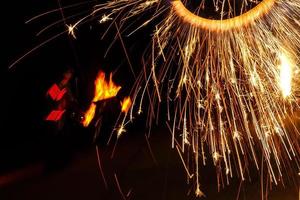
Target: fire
[(89, 115), (285, 79), (104, 89), (126, 103)]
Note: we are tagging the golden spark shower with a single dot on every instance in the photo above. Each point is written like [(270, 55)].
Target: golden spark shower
[(227, 73), (229, 81)]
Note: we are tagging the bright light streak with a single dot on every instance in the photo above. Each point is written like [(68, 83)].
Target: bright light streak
[(286, 76)]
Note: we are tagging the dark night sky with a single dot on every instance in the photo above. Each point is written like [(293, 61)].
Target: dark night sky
[(63, 165)]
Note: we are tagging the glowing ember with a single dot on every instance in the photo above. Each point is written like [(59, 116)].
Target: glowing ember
[(89, 115), (104, 89), (285, 75), (126, 103)]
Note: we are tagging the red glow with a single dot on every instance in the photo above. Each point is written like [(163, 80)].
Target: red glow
[(55, 115), (56, 93)]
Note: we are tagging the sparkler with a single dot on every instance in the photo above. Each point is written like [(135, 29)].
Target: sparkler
[(225, 89), (231, 83)]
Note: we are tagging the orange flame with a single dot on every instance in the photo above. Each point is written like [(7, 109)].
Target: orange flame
[(89, 115), (126, 103), (104, 89)]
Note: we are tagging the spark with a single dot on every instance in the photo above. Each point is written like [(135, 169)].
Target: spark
[(105, 18), (199, 193), (71, 31), (216, 156), (121, 130)]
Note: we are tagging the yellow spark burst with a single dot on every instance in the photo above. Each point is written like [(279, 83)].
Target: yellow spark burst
[(71, 29), (224, 81)]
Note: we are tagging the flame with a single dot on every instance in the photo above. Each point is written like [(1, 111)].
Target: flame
[(104, 89), (89, 115), (285, 77), (126, 103)]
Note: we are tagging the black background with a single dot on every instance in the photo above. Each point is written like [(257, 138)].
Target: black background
[(63, 164)]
